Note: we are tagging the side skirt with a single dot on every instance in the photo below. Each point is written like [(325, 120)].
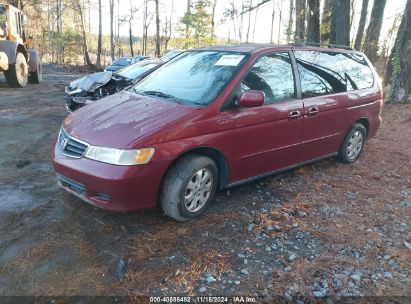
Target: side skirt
[(250, 179)]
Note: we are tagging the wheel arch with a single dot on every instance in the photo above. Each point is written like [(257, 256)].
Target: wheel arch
[(216, 155), (365, 122)]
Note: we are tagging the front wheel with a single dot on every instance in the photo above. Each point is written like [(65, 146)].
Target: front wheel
[(17, 74), (189, 187), (353, 144)]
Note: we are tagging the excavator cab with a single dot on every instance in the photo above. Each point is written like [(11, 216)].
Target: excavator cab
[(19, 63)]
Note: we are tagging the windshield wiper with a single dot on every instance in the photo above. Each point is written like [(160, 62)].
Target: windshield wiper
[(161, 95)]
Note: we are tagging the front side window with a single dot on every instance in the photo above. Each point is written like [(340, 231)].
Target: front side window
[(272, 74), (193, 78)]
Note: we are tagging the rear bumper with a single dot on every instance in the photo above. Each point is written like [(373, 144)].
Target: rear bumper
[(116, 188)]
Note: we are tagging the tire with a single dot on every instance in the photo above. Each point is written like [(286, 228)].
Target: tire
[(37, 76), (17, 74), (184, 195), (353, 144)]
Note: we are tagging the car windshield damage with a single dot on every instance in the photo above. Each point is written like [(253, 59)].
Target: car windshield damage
[(193, 78)]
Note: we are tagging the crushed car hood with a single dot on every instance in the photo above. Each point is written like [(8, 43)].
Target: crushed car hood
[(117, 121), (91, 82)]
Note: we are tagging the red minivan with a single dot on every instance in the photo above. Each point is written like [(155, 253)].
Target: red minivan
[(215, 118)]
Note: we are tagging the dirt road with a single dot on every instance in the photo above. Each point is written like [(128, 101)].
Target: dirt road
[(326, 229)]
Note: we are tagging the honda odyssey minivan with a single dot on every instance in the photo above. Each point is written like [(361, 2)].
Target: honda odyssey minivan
[(215, 118)]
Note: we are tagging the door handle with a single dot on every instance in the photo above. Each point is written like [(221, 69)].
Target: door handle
[(313, 110), (294, 114)]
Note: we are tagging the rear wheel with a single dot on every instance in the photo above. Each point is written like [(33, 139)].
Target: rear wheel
[(36, 77), (189, 187), (353, 144), (17, 74)]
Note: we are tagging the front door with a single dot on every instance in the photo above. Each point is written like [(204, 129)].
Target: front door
[(268, 137)]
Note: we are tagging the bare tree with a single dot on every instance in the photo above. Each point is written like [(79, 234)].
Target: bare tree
[(340, 23), (299, 20), (313, 21), (290, 21), (326, 20), (158, 42), (112, 47), (374, 30), (100, 27), (398, 73), (249, 23), (213, 18), (361, 25), (280, 19), (79, 9), (272, 23), (255, 21)]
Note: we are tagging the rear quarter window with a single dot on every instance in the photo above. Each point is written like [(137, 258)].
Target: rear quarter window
[(324, 73)]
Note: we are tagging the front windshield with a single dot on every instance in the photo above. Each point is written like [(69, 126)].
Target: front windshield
[(122, 61), (193, 78), (136, 70)]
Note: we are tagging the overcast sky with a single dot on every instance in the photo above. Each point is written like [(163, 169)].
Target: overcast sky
[(263, 24)]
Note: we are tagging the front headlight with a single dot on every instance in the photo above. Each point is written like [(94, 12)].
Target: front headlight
[(120, 157)]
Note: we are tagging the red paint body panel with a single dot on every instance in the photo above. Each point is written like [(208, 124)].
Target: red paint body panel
[(254, 141)]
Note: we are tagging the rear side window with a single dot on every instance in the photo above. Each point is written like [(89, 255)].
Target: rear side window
[(272, 74), (324, 73)]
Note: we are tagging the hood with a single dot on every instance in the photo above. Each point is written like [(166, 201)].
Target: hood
[(90, 83), (119, 120)]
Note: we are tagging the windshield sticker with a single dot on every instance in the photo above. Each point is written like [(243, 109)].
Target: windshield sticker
[(231, 60)]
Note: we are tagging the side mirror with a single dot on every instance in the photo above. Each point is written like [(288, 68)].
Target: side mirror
[(251, 99)]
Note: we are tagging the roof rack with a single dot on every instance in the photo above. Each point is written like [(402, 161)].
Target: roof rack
[(331, 46)]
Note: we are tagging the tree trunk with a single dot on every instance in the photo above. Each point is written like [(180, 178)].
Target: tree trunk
[(212, 19), (100, 30), (280, 20), (361, 25), (188, 16), (157, 52), (83, 30), (249, 23), (398, 72), (272, 23), (326, 20), (112, 30), (313, 21), (374, 30), (130, 34), (255, 21), (290, 21), (144, 42), (340, 23), (299, 20)]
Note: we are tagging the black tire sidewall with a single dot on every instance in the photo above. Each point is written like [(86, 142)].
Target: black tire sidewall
[(343, 155), (175, 183), (13, 77)]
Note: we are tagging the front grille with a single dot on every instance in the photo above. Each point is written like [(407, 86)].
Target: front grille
[(72, 185), (70, 146)]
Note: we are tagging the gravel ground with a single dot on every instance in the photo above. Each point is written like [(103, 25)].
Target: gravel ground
[(324, 230)]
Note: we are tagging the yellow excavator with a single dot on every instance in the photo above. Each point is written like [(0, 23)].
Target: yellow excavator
[(18, 61)]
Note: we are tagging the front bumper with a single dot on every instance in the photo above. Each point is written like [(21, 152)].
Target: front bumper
[(116, 188)]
